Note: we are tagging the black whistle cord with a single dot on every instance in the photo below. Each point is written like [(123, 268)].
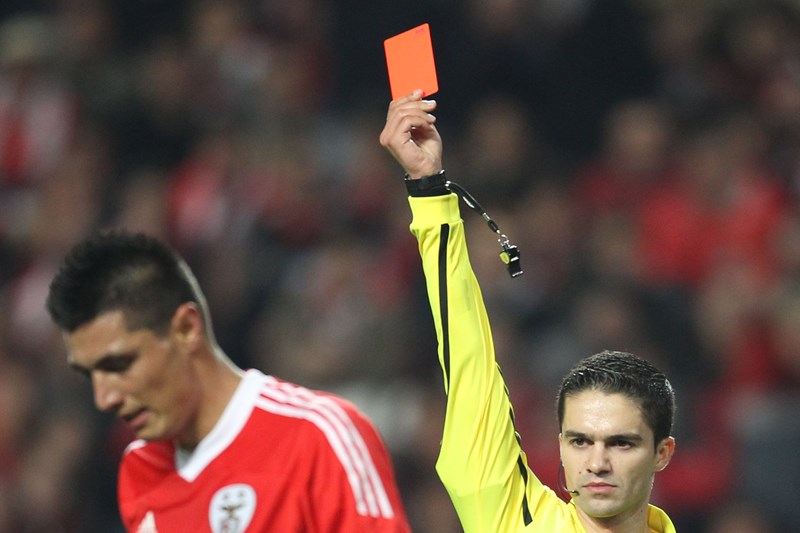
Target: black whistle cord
[(510, 253)]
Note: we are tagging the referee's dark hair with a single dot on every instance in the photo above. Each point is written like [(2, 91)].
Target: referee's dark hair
[(624, 373)]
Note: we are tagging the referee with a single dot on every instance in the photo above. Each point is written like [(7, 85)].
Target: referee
[(615, 410)]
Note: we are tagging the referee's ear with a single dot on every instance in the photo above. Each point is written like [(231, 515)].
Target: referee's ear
[(664, 452)]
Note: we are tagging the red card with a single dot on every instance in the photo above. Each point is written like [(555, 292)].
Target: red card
[(409, 60)]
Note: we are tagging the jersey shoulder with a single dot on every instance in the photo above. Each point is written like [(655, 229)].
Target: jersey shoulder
[(157, 455), (143, 464), (291, 400)]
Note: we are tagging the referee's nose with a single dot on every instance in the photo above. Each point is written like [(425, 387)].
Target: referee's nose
[(598, 460)]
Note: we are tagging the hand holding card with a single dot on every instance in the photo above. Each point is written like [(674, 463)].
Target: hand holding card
[(409, 60)]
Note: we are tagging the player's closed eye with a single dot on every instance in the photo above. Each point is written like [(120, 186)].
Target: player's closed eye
[(116, 364)]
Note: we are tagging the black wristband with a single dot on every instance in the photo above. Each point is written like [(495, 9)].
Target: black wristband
[(433, 185)]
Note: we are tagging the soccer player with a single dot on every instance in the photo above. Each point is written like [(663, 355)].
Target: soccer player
[(218, 448), (615, 410)]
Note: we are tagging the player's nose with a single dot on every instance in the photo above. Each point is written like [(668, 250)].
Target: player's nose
[(107, 398)]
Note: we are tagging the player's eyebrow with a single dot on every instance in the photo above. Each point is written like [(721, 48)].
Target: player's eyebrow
[(82, 370), (108, 363)]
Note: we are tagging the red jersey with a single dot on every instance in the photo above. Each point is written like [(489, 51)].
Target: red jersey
[(281, 458)]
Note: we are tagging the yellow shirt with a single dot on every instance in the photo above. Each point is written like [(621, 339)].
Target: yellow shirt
[(481, 463)]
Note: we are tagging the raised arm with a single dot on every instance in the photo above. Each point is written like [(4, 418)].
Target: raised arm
[(480, 463)]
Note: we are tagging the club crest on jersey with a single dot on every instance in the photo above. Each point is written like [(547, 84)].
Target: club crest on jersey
[(232, 508)]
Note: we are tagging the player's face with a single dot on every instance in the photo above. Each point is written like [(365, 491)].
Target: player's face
[(608, 456), (142, 378)]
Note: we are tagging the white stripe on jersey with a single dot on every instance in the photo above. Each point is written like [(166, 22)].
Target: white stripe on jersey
[(343, 436), (361, 455), (148, 524)]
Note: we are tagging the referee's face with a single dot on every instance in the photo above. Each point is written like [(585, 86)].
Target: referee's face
[(609, 457), (143, 378)]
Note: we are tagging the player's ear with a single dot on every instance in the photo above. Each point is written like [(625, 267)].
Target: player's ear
[(187, 323), (664, 452)]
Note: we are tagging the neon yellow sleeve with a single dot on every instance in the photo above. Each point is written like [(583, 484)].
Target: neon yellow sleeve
[(480, 463)]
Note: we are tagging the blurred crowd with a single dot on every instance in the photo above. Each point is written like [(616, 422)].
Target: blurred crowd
[(644, 155)]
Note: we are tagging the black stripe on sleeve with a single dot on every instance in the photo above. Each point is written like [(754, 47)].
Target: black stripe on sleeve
[(444, 237), (526, 512)]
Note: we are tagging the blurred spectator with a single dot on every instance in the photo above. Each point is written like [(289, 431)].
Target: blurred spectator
[(633, 160), (513, 161), (37, 110), (764, 418), (741, 517), (725, 206)]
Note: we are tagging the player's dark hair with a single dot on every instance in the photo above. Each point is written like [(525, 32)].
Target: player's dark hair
[(116, 270), (624, 373)]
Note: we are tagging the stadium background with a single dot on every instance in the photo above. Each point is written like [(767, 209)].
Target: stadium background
[(644, 155)]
